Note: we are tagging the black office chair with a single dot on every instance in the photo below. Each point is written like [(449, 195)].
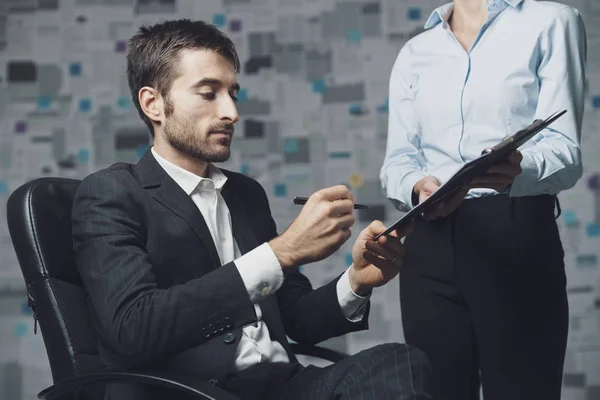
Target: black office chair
[(39, 221)]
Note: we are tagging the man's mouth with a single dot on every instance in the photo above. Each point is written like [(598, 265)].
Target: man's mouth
[(228, 132)]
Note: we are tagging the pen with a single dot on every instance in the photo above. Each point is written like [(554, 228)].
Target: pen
[(303, 200)]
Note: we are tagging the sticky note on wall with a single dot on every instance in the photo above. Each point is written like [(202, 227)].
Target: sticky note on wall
[(280, 189), (242, 95), (587, 261), (290, 146), (44, 102), (141, 150), (569, 216), (356, 181), (348, 259), (21, 127), (235, 25), (120, 46), (83, 156), (85, 105), (124, 102), (319, 86), (354, 35), (20, 329), (592, 230), (414, 14), (219, 20), (75, 69)]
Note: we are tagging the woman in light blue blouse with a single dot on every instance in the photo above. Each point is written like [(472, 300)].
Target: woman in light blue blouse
[(483, 282)]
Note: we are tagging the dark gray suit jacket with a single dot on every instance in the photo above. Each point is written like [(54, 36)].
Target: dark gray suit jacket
[(159, 297)]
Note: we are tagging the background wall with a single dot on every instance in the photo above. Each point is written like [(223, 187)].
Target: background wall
[(313, 114)]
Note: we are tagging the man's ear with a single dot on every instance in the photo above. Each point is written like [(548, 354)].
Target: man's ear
[(152, 104)]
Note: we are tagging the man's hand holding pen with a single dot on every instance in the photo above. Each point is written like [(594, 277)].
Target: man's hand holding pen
[(323, 225)]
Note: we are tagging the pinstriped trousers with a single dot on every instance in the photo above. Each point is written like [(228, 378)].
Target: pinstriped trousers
[(388, 371)]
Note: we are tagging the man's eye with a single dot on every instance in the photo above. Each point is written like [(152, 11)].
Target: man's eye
[(208, 96), (234, 98)]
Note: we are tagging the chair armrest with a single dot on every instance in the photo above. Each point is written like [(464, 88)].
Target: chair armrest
[(317, 351), (187, 384)]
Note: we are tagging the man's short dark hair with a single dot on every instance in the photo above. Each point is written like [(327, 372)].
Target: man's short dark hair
[(153, 52)]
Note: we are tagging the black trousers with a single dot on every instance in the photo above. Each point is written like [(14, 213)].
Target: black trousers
[(388, 371), (483, 294)]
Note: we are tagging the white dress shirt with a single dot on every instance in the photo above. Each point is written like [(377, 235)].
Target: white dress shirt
[(260, 269)]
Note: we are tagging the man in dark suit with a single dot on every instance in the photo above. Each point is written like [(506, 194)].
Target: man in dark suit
[(182, 262)]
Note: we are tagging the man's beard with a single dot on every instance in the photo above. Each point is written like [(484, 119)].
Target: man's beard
[(183, 136)]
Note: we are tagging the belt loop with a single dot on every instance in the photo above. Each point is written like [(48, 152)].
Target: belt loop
[(557, 202), (511, 209)]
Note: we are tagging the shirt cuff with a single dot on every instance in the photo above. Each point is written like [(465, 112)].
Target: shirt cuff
[(261, 272), (353, 306), (526, 180), (407, 186)]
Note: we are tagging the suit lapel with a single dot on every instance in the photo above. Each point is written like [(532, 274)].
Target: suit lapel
[(242, 231), (247, 241), (167, 192)]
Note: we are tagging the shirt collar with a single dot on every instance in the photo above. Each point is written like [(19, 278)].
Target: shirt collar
[(187, 180), (442, 13)]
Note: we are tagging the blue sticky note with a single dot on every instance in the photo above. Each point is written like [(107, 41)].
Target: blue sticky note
[(83, 156), (75, 69), (3, 187), (340, 154), (44, 102), (242, 95), (592, 230), (569, 216), (244, 169), (141, 150), (219, 20), (354, 35), (85, 105), (587, 261), (347, 259), (596, 101), (290, 146), (319, 86), (20, 329), (124, 102), (355, 109), (385, 107), (280, 190), (414, 14), (25, 309)]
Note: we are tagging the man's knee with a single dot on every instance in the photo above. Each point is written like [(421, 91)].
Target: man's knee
[(403, 351), (402, 370)]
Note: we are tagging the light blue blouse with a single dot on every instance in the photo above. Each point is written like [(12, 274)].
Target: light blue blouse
[(446, 105)]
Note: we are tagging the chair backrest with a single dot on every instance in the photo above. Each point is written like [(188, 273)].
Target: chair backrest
[(39, 222)]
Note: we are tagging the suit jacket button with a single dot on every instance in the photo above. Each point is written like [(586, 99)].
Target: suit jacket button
[(213, 381), (229, 338)]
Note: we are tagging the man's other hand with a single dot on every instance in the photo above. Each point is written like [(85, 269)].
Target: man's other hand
[(374, 263)]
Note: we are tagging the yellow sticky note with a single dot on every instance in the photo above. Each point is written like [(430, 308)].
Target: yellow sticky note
[(355, 181)]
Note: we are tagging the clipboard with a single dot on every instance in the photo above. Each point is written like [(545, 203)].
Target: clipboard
[(476, 168)]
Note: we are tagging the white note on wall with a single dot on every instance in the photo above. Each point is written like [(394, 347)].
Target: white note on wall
[(19, 35)]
